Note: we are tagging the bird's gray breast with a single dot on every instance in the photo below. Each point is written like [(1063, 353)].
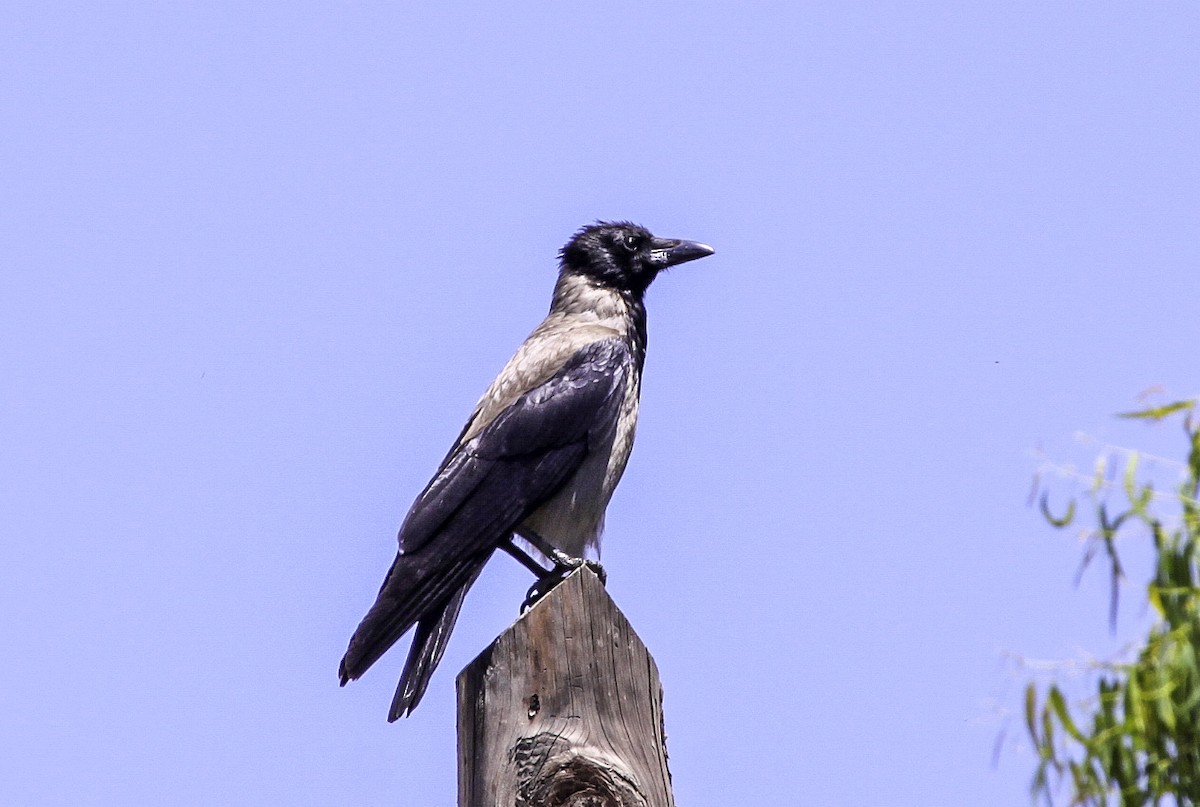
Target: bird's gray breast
[(573, 519)]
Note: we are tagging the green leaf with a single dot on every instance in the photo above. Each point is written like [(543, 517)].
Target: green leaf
[(1031, 712), (1159, 412), (1135, 713), (1165, 708), (1058, 522), (1156, 599), (1130, 478), (1059, 705)]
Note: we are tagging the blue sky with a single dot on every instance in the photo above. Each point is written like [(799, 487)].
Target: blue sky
[(260, 262)]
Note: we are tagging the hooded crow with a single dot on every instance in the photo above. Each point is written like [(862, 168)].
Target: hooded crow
[(539, 457)]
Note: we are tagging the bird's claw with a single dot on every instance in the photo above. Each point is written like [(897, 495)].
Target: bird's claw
[(598, 569), (564, 566)]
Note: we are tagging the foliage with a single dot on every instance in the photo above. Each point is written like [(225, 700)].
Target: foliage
[(1137, 740)]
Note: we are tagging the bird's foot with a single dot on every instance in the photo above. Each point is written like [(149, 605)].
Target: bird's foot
[(564, 566), (595, 566)]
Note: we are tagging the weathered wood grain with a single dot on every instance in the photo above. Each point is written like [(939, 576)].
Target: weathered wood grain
[(564, 709)]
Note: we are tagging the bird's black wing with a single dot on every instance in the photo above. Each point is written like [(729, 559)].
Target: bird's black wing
[(486, 487)]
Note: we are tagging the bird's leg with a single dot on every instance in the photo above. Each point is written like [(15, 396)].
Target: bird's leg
[(522, 557), (564, 565)]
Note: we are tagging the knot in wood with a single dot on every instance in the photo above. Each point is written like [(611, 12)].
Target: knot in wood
[(552, 774)]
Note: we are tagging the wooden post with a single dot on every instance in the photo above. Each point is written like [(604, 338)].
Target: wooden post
[(564, 709)]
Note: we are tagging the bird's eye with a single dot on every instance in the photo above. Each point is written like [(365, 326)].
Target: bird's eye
[(631, 243)]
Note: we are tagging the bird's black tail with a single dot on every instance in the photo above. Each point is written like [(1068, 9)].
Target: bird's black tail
[(428, 645), (411, 595)]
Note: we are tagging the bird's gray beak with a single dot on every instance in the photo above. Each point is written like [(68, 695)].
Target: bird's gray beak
[(666, 252)]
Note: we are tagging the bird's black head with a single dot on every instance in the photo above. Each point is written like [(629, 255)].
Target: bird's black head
[(625, 256)]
